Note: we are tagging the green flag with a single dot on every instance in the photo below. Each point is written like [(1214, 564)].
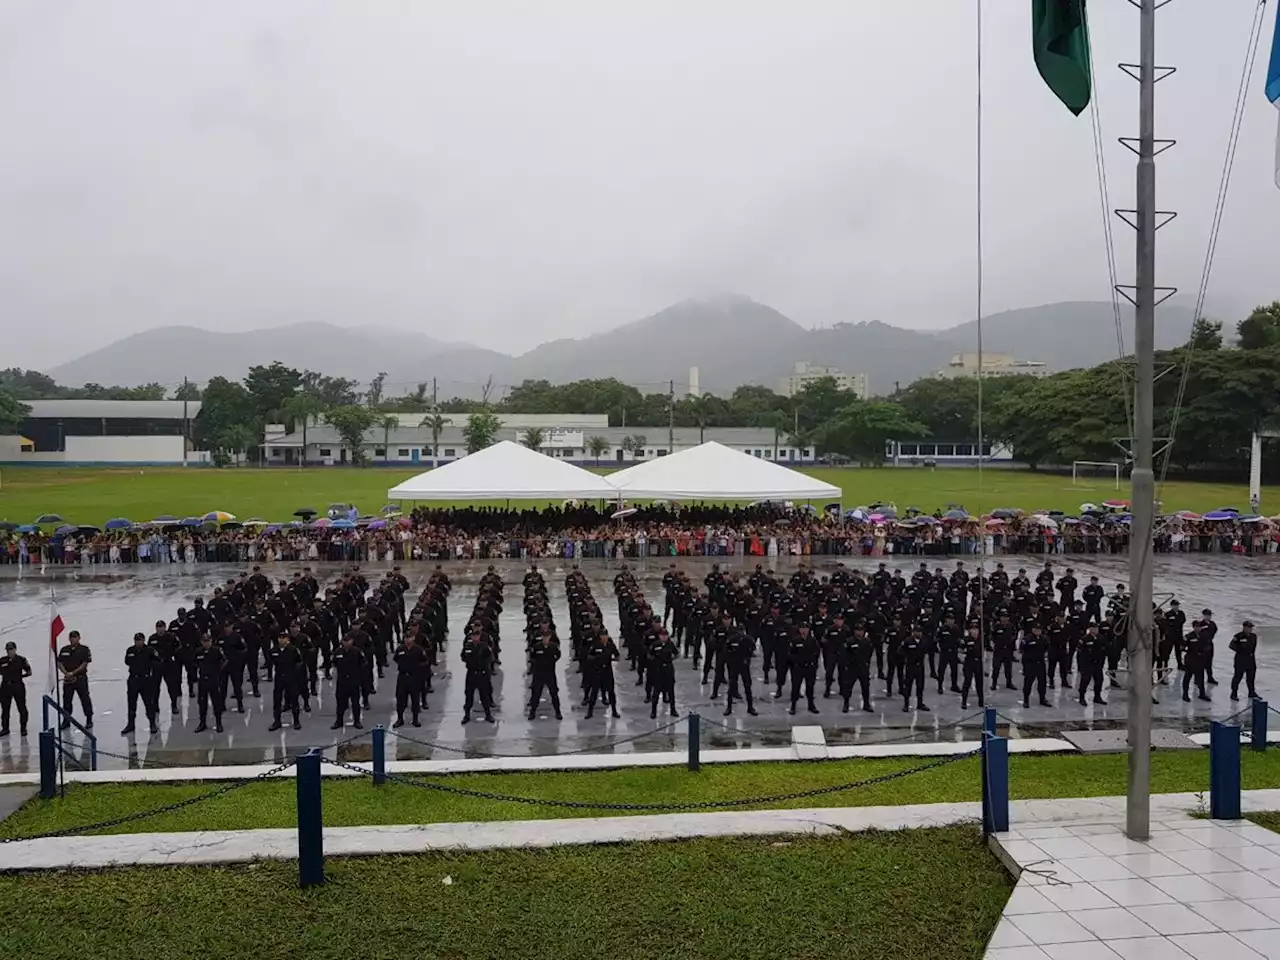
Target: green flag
[(1060, 39)]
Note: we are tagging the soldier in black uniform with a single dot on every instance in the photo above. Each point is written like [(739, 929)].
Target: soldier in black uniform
[(1059, 646), (1245, 646), (139, 661), (1092, 656), (914, 649), (1208, 630), (1034, 648), (599, 655), (663, 663), (1093, 595), (210, 666), (802, 657), (738, 650), (949, 638), (289, 673), (235, 652), (974, 674), (166, 665), (73, 665), (14, 670), (1004, 637), (412, 664), (854, 663), (542, 665), (348, 661), (1194, 659), (478, 658)]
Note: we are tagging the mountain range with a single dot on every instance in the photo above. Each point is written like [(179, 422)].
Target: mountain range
[(732, 340)]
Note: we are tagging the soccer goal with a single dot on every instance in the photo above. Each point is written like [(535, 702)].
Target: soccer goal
[(1088, 469)]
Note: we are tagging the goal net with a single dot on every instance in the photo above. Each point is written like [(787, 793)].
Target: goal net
[(1092, 469)]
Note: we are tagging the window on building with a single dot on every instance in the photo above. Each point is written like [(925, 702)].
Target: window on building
[(326, 452), (661, 452), (928, 449), (639, 454), (946, 449), (379, 451), (908, 449), (275, 451), (449, 452), (402, 452), (964, 449)]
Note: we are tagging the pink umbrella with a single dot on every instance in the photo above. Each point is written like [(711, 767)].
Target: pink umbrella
[(876, 517), (323, 522), (995, 522)]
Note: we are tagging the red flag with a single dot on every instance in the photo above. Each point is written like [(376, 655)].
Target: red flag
[(56, 626)]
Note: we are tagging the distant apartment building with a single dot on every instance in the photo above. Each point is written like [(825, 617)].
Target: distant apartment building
[(805, 373), (993, 365)]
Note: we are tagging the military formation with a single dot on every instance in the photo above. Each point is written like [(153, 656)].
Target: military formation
[(843, 634)]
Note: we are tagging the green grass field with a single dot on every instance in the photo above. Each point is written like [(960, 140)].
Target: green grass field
[(910, 895), (352, 802), (94, 495)]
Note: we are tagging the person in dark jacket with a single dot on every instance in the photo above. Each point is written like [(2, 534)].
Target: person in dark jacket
[(139, 662), (14, 669), (1245, 647)]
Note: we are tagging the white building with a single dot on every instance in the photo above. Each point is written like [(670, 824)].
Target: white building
[(137, 432), (993, 365), (573, 437), (805, 373)]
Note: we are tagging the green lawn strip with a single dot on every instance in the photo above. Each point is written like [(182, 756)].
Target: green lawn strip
[(93, 495), (357, 802), (1269, 819), (910, 895)]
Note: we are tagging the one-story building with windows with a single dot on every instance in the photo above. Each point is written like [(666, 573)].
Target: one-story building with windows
[(585, 439)]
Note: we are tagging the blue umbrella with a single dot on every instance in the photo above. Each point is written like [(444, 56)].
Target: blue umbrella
[(342, 525), (1220, 515), (65, 529), (118, 523), (28, 528), (165, 518), (192, 522)]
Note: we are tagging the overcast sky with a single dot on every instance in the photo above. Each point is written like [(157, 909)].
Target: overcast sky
[(506, 173)]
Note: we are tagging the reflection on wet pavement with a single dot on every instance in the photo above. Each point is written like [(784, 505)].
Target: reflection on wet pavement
[(108, 606)]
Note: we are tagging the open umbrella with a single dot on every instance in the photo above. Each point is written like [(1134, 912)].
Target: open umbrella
[(957, 513), (1219, 515), (831, 508), (1006, 513), (48, 518), (378, 525), (622, 514), (1117, 504), (64, 530), (995, 523), (8, 525), (165, 518), (323, 522), (255, 522), (270, 528), (28, 528), (192, 522), (304, 512), (857, 514), (390, 508), (86, 528), (233, 525), (1251, 518), (118, 523), (342, 525), (218, 516)]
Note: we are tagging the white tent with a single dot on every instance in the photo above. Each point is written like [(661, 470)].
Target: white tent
[(504, 471), (712, 471)]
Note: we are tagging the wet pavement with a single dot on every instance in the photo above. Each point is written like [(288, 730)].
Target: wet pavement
[(109, 604)]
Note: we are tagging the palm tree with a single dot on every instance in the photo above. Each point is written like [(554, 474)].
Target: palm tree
[(534, 437), (779, 423), (701, 407), (436, 422), (388, 422), (596, 446), (301, 408)]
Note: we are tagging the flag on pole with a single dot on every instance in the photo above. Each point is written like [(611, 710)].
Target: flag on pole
[(56, 626), (1060, 41), (1273, 88)]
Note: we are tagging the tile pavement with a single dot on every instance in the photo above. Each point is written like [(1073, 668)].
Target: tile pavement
[(1208, 890)]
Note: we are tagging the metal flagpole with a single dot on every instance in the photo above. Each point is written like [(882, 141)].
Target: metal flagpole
[(1141, 619)]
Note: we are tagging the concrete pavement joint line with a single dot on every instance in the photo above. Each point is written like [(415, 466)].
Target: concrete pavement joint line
[(1032, 818), (809, 742), (556, 763)]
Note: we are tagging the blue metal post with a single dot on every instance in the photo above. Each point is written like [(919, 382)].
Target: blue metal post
[(695, 736), (995, 808), (379, 755), (48, 765), (989, 721), (1259, 724), (1224, 771), (310, 821)]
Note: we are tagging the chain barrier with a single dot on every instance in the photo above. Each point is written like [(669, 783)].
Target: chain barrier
[(167, 808), (467, 751), (660, 807), (145, 762)]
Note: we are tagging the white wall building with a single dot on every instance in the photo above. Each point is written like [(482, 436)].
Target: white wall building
[(993, 365), (805, 373), (136, 432)]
